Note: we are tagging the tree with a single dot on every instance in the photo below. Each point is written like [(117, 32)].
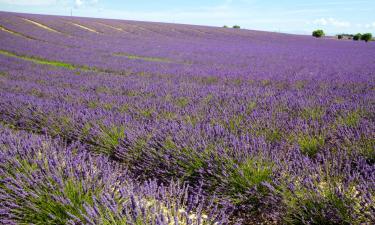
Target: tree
[(236, 27), (357, 37), (318, 33), (340, 36), (366, 37), (225, 26)]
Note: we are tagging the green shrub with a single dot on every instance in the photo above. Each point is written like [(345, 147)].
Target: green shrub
[(357, 37), (225, 26), (3, 74), (366, 37), (307, 207), (318, 33), (109, 138), (366, 149), (351, 119), (272, 135), (328, 201), (182, 102), (236, 27), (313, 113), (250, 173), (310, 145)]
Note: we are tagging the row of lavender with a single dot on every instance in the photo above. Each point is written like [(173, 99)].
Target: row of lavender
[(46, 181), (184, 50), (289, 150)]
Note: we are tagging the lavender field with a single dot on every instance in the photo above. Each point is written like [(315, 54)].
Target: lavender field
[(123, 122)]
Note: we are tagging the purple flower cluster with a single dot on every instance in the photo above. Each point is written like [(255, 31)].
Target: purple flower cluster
[(129, 122), (44, 180)]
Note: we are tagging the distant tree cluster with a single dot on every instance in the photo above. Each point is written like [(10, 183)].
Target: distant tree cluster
[(356, 37), (366, 37), (345, 36), (234, 26), (318, 33)]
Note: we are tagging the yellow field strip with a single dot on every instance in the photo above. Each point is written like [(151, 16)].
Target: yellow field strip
[(15, 33), (41, 25), (6, 30), (106, 25), (85, 28)]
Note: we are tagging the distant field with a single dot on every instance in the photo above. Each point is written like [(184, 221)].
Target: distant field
[(124, 122)]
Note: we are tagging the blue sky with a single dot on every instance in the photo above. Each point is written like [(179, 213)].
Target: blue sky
[(290, 16)]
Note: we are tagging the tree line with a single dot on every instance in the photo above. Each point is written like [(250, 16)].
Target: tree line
[(356, 37)]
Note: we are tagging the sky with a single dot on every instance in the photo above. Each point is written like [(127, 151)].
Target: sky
[(288, 16)]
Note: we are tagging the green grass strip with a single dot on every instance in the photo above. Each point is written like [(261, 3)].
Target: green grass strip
[(144, 58), (39, 60)]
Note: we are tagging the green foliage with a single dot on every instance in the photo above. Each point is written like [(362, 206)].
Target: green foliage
[(85, 131), (235, 123), (103, 89), (206, 100), (167, 115), (192, 120), (147, 113), (25, 167), (39, 60), (318, 33), (366, 147), (144, 58), (107, 106), (300, 84), (310, 145), (123, 108), (109, 138), (351, 119), (169, 143), (131, 93), (61, 126), (323, 205), (249, 173), (366, 37), (93, 104), (225, 26), (192, 163), (237, 81), (209, 80), (313, 113), (357, 37), (266, 82), (4, 74), (182, 102), (45, 206), (273, 135), (251, 106), (316, 209), (37, 93), (236, 27)]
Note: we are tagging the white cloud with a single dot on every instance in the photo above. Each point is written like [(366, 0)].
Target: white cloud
[(321, 21), (78, 3), (331, 22), (370, 25)]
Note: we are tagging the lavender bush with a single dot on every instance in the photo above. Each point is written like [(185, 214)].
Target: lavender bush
[(45, 181), (168, 124)]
